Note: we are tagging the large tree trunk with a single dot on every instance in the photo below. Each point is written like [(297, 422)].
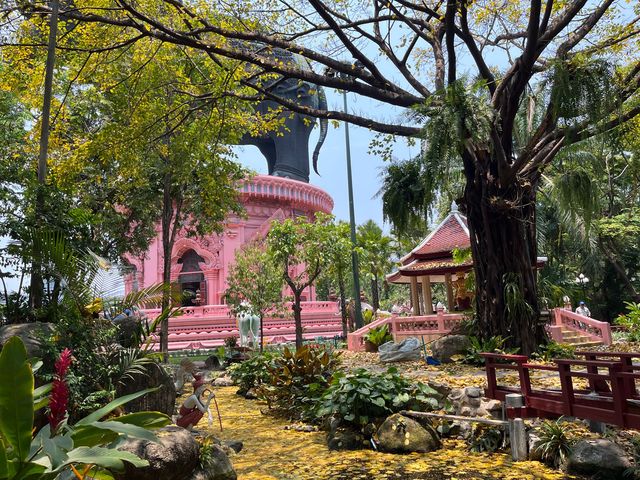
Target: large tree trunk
[(503, 243)]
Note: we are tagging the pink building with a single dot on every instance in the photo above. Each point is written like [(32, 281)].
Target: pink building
[(202, 264)]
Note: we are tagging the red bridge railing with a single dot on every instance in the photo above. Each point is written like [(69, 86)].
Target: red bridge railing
[(611, 396)]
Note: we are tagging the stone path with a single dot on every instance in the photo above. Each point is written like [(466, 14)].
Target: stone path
[(270, 452)]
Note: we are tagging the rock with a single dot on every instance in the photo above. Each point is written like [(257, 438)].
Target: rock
[(30, 333), (446, 347), (441, 388), (212, 363), (251, 394), (218, 467), (598, 457), (534, 452), (235, 445), (490, 407), (345, 440), (162, 400), (128, 327), (174, 457), (399, 434), (223, 382)]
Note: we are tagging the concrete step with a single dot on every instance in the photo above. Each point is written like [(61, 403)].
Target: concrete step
[(592, 343)]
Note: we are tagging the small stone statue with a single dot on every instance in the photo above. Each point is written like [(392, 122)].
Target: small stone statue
[(196, 405)]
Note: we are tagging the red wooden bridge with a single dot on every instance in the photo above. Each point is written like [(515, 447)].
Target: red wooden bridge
[(611, 395)]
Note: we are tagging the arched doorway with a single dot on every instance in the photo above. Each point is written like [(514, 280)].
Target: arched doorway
[(191, 279)]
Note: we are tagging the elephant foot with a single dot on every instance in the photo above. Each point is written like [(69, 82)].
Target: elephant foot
[(292, 176)]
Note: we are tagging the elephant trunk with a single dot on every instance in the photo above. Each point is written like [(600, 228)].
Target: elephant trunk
[(324, 127)]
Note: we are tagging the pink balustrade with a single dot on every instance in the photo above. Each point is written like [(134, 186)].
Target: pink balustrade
[(208, 326), (427, 327), (566, 319)]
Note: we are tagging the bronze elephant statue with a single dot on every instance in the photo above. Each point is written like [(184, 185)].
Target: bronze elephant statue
[(287, 148)]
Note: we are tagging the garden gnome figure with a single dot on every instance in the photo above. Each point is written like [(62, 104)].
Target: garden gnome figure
[(196, 405), (582, 309)]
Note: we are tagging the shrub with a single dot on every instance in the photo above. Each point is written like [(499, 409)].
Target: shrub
[(486, 438), (554, 445), (253, 372), (555, 350), (490, 345), (298, 380), (379, 335), (362, 396), (631, 321), (368, 316), (231, 342)]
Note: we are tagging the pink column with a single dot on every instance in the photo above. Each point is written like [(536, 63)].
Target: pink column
[(211, 277)]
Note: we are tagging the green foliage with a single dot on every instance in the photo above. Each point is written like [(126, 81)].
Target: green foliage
[(554, 445), (299, 379), (253, 372), (634, 471), (516, 305), (50, 454), (486, 438), (554, 350), (631, 321), (368, 316), (207, 447), (361, 396), (489, 345), (378, 335)]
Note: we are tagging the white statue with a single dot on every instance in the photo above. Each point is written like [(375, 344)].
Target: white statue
[(248, 325)]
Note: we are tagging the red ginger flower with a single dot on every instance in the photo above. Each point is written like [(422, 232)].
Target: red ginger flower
[(59, 398)]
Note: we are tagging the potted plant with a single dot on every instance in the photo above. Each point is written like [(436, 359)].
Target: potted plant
[(376, 337)]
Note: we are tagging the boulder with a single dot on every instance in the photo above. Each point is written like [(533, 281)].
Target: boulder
[(400, 434), (598, 457), (218, 467), (223, 382), (408, 349), (128, 326), (212, 363), (29, 333), (446, 347), (174, 457), (235, 445), (346, 440), (162, 400)]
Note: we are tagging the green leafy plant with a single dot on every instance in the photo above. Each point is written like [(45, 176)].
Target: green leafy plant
[(231, 342), (253, 372), (631, 321), (360, 397), (555, 350), (486, 438), (368, 316), (298, 380), (554, 445), (634, 471), (489, 345), (59, 447), (378, 335)]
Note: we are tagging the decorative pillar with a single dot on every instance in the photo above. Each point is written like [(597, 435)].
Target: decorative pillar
[(426, 295), (447, 281), (211, 277), (415, 300)]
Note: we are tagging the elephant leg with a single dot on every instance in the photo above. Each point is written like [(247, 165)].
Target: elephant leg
[(242, 328), (255, 329)]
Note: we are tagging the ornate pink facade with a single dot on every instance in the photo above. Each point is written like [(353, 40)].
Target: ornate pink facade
[(266, 199)]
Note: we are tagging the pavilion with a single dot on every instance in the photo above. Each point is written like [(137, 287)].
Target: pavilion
[(432, 262)]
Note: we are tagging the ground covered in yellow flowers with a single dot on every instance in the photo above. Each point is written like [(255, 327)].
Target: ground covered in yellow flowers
[(271, 452)]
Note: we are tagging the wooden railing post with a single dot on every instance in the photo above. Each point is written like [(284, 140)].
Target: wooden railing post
[(619, 393), (566, 382), (492, 383)]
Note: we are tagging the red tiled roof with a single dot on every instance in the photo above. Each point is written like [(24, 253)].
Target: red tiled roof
[(426, 267), (450, 234)]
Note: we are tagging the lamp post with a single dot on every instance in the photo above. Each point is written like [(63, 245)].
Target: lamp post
[(582, 280), (352, 217)]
